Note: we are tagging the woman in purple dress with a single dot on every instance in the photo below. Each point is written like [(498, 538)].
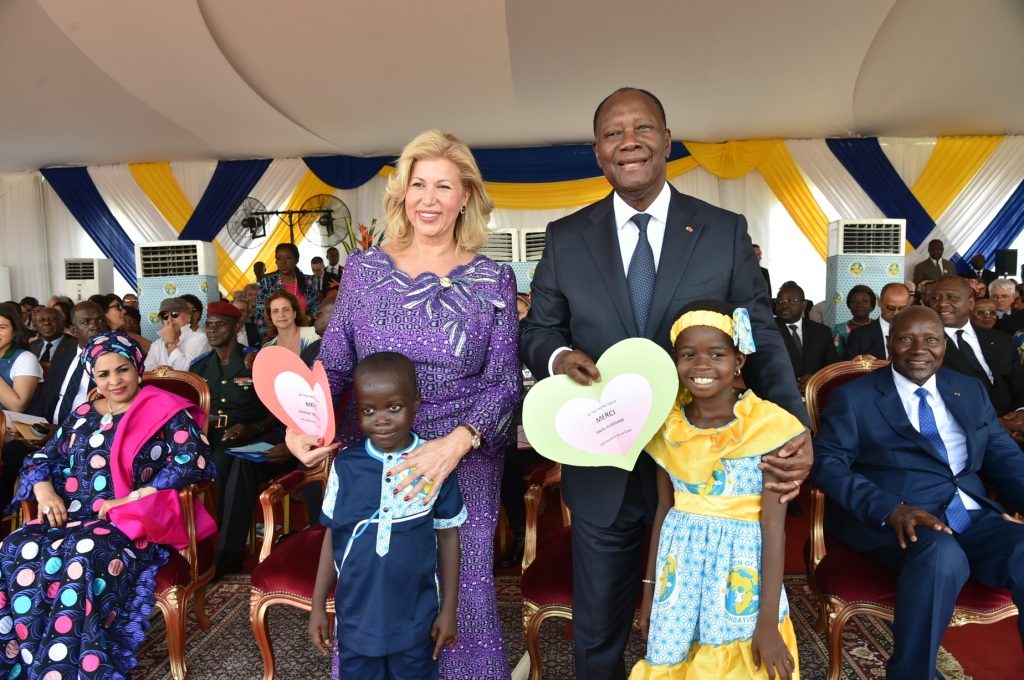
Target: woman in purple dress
[(429, 295)]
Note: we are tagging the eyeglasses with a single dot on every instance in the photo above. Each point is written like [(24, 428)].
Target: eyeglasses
[(116, 305), (781, 301), (172, 315), (194, 311), (984, 313)]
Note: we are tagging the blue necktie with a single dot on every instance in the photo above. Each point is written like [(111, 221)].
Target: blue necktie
[(640, 275), (956, 514)]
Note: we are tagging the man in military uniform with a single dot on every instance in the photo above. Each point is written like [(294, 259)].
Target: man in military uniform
[(237, 418)]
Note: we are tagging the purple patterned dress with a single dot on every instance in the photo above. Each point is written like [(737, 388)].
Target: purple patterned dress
[(461, 332)]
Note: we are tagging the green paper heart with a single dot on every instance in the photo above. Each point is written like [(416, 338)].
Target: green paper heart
[(606, 423)]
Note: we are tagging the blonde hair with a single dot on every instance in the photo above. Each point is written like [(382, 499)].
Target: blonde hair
[(471, 226)]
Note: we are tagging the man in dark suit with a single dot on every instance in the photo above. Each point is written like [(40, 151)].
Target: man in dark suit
[(901, 454), (622, 268), (935, 267), (764, 272), (979, 272), (1003, 293), (321, 276), (870, 339), (66, 387), (987, 355), (808, 343), (51, 340)]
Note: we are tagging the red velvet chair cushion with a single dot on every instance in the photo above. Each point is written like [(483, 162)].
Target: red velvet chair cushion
[(853, 577), (207, 552), (548, 580), (174, 573), (292, 564)]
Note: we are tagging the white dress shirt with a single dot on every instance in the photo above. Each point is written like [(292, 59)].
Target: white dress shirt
[(629, 235), (971, 338), (191, 345), (885, 336), (953, 437)]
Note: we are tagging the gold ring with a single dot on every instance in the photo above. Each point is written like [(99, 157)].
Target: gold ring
[(428, 487), (796, 483)]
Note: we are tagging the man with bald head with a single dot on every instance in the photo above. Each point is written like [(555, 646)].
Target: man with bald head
[(870, 339), (901, 454), (984, 354), (51, 340)]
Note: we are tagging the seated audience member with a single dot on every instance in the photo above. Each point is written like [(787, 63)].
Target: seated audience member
[(28, 306), (132, 320), (113, 308), (1003, 293), (252, 291), (979, 272), (238, 418), (283, 316), (870, 339), (984, 314), (67, 387), (321, 277), (51, 340), (178, 345), (248, 335), (986, 355), (861, 302), (20, 372), (900, 455), (1018, 302), (65, 305), (131, 300), (323, 317), (195, 307), (809, 343)]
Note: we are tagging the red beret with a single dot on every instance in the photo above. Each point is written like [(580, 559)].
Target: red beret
[(223, 309)]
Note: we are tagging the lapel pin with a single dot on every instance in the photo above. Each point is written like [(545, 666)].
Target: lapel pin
[(956, 394), (689, 229)]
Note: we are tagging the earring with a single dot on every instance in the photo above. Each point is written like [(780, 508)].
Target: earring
[(463, 209), (737, 372)]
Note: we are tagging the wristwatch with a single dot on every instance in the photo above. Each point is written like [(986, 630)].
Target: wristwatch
[(135, 495), (474, 443)]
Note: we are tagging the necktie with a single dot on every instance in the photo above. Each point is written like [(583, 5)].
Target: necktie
[(796, 341), (45, 356), (972, 358), (956, 514), (67, 401), (640, 275)]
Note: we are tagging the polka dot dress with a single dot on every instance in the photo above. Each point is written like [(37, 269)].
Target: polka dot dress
[(75, 601)]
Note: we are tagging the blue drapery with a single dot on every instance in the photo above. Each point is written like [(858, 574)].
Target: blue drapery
[(869, 166), (1002, 231), (525, 165), (79, 193), (230, 184)]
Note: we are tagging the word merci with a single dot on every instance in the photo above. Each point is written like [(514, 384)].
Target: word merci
[(607, 421)]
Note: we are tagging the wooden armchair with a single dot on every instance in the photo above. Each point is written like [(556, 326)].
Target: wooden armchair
[(846, 582), (547, 562), (286, 572)]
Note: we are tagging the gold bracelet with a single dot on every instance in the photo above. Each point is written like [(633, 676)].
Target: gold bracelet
[(475, 433)]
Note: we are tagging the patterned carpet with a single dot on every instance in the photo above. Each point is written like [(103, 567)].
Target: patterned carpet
[(228, 651)]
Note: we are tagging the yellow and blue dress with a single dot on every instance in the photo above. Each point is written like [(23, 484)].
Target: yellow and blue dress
[(708, 572)]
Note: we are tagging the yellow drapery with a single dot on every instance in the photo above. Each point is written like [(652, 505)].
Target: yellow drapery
[(157, 181), (735, 159), (952, 164), (310, 185)]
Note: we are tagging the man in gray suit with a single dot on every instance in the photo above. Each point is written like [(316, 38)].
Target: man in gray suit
[(620, 268), (935, 267)]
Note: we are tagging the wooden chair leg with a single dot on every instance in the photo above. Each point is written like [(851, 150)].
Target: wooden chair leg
[(199, 608), (172, 606), (261, 631), (835, 645)]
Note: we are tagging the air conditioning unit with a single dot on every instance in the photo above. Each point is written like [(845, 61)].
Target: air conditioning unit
[(502, 245), (532, 244), (862, 252), (84, 277), (171, 269), (5, 283)]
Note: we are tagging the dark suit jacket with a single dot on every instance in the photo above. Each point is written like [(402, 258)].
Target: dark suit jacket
[(868, 458), (325, 282), (580, 299), (1007, 390), (866, 340), (1011, 323), (819, 350), (927, 271), (45, 400), (987, 275), (65, 344), (767, 280)]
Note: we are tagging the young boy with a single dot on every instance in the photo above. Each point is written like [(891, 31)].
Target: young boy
[(382, 548)]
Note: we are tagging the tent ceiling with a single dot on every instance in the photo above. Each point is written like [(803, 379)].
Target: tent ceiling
[(110, 81)]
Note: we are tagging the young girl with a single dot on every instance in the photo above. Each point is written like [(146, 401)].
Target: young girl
[(713, 604), (381, 547)]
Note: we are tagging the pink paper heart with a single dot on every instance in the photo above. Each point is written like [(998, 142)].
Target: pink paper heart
[(298, 396), (623, 409)]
